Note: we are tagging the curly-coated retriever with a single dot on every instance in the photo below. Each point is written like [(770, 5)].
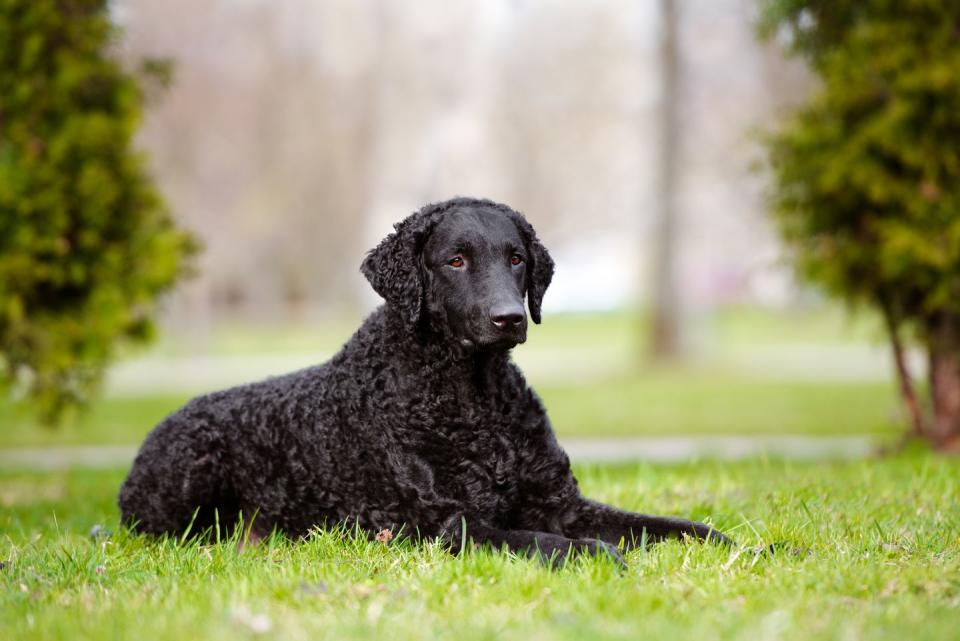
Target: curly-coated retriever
[(421, 422)]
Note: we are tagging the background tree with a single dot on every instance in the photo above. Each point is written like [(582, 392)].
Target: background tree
[(86, 244), (665, 339), (867, 175)]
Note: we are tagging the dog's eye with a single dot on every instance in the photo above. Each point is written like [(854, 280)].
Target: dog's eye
[(456, 261), (516, 259)]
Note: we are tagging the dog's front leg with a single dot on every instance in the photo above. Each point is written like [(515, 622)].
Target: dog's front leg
[(551, 549), (586, 518)]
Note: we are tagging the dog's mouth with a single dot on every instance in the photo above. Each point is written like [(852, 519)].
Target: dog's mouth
[(494, 341), (475, 330), (501, 345)]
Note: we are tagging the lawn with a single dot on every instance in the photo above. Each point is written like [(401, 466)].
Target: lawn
[(880, 559), (652, 404), (880, 539), (751, 371)]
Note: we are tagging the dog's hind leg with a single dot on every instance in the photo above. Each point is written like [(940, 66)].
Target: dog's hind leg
[(549, 548), (177, 483), (592, 519)]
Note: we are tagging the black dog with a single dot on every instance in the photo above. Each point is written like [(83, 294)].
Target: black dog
[(421, 421)]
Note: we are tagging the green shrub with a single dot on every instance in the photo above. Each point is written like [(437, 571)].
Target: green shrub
[(867, 172), (86, 243)]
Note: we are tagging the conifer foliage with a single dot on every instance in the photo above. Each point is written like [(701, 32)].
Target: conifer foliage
[(866, 175), (86, 243)]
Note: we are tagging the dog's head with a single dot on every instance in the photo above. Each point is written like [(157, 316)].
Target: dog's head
[(463, 266)]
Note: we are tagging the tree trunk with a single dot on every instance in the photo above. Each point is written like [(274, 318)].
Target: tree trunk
[(666, 312), (944, 344), (907, 392)]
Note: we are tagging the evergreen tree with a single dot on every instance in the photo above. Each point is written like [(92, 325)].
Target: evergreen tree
[(86, 244), (867, 175)]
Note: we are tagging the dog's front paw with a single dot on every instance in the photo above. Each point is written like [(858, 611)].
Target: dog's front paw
[(556, 553), (596, 547)]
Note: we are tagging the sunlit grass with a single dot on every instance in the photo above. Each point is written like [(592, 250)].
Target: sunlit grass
[(878, 541)]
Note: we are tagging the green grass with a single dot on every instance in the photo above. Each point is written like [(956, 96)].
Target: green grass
[(603, 390), (680, 403), (109, 421), (882, 562), (659, 403)]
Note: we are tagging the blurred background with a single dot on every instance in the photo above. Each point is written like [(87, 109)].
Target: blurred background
[(296, 132)]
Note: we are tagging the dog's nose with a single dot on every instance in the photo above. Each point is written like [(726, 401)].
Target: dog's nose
[(506, 316)]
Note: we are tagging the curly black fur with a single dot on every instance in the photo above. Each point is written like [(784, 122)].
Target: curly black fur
[(409, 426)]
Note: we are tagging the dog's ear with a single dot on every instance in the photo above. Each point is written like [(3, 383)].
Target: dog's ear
[(393, 267), (539, 267)]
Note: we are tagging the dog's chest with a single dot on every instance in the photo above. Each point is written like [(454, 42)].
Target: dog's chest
[(472, 455), (480, 470)]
